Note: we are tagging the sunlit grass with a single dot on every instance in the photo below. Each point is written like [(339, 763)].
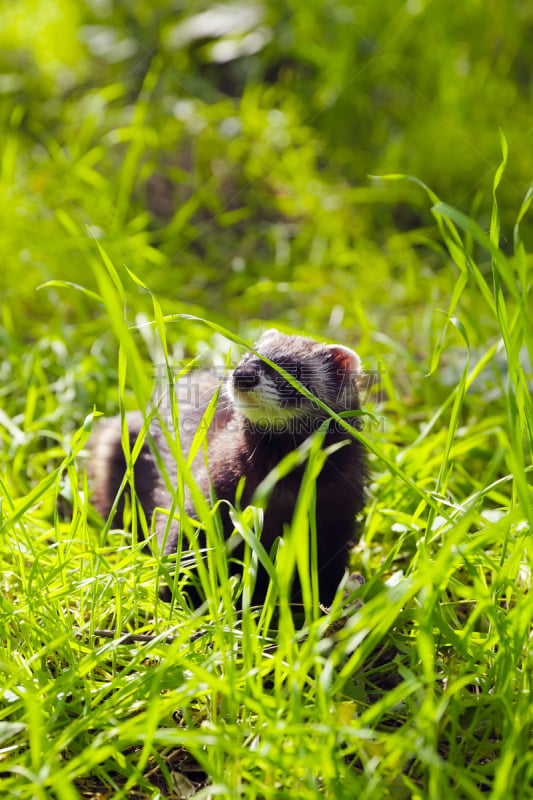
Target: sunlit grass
[(426, 685)]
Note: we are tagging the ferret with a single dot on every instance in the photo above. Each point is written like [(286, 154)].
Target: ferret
[(260, 417)]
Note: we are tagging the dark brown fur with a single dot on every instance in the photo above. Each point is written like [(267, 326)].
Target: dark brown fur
[(247, 439)]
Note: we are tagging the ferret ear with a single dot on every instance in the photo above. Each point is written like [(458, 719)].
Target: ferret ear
[(344, 359)]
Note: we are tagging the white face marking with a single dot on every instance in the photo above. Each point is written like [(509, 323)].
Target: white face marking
[(263, 404)]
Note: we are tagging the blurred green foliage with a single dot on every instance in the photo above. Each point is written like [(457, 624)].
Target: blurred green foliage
[(231, 143), (223, 151)]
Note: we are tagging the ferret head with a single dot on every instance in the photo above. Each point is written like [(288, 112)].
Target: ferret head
[(330, 372)]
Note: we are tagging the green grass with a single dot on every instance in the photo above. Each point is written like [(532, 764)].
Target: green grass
[(425, 692)]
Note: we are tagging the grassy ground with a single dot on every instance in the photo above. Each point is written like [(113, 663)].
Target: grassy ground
[(145, 179)]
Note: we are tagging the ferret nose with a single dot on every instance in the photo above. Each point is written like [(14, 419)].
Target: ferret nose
[(245, 379)]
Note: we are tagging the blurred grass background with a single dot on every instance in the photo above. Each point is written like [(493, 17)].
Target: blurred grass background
[(223, 151)]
